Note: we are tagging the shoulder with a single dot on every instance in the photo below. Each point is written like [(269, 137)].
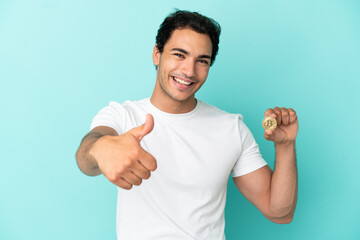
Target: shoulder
[(214, 112), (127, 106), (121, 116), (121, 111)]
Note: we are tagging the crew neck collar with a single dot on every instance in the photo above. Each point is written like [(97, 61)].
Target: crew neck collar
[(175, 115)]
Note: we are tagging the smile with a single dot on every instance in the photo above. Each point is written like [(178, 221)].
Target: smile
[(181, 81)]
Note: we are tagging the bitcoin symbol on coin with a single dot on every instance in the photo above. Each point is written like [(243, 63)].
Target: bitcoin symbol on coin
[(269, 123)]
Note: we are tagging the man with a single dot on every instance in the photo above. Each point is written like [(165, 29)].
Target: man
[(180, 159)]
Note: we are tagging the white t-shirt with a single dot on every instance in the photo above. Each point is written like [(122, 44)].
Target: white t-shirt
[(195, 152)]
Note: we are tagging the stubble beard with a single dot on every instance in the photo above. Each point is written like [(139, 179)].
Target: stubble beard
[(167, 93)]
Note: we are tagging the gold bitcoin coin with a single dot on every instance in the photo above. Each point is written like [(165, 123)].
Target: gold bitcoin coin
[(269, 123)]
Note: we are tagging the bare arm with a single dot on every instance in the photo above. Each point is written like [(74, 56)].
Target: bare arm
[(120, 158), (84, 159), (275, 193)]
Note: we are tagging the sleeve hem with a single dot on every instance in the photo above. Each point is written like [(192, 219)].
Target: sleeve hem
[(105, 124), (254, 166)]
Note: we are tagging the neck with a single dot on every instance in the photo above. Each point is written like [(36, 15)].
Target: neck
[(170, 105)]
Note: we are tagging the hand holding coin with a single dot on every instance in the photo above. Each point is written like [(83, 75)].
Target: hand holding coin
[(280, 124), (269, 123)]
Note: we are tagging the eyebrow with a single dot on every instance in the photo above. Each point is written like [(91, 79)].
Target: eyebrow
[(187, 53)]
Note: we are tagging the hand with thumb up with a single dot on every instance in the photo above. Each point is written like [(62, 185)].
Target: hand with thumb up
[(121, 159)]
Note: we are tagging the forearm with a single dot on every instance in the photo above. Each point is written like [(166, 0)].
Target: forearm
[(284, 184), (86, 162)]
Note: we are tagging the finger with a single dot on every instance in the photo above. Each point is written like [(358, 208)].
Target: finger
[(270, 112), (278, 115), (131, 178), (268, 134), (143, 130), (293, 116), (285, 118), (140, 171), (122, 183), (148, 161)]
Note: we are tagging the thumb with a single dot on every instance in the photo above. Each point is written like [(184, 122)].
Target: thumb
[(143, 130), (268, 134)]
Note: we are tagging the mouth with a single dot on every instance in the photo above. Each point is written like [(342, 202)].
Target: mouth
[(182, 81)]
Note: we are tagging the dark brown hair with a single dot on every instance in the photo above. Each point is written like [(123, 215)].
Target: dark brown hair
[(184, 19)]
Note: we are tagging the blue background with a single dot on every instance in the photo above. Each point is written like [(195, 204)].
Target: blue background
[(62, 61)]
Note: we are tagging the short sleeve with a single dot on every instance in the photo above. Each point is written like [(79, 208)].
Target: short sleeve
[(112, 116), (250, 158)]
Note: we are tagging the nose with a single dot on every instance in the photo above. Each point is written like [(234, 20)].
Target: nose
[(188, 68)]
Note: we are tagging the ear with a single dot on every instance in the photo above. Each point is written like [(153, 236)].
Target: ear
[(156, 55)]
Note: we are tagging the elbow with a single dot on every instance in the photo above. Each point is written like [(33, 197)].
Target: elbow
[(84, 166), (80, 163), (282, 218)]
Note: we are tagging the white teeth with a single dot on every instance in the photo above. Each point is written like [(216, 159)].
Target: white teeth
[(182, 81)]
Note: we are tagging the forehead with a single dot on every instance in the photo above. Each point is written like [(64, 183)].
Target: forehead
[(191, 41)]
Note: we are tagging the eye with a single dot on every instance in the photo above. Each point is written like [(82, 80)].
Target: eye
[(203, 61), (179, 55)]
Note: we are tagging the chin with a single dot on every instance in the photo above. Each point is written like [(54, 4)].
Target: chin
[(182, 98)]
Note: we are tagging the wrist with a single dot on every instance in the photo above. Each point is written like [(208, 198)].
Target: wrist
[(288, 145), (285, 153)]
